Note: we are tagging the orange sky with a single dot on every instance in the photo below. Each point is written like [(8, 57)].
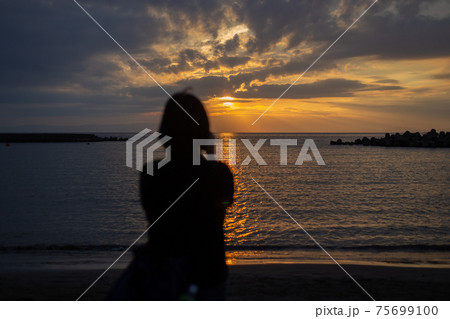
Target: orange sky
[(390, 72), (365, 111), (392, 93)]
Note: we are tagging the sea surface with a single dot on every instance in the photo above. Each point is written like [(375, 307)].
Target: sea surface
[(76, 205)]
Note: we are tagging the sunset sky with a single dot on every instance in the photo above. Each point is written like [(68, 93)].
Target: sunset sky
[(390, 72)]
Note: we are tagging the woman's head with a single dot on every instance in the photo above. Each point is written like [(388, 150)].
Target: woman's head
[(179, 125)]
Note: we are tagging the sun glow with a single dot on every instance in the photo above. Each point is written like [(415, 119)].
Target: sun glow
[(226, 98), (228, 104)]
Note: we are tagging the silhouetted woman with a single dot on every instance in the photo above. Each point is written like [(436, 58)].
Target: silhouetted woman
[(185, 254)]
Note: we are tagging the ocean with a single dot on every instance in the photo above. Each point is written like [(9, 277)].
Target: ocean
[(76, 205)]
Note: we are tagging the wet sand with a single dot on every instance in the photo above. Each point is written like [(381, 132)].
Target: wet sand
[(252, 282)]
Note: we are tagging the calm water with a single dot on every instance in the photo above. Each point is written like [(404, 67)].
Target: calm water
[(77, 205)]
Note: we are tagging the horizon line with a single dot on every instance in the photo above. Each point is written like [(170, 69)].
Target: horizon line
[(216, 132)]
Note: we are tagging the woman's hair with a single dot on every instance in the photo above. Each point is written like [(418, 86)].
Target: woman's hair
[(179, 125)]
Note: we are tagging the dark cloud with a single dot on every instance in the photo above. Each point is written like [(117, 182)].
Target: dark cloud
[(208, 86), (441, 76), (233, 61), (158, 65), (324, 88), (279, 69), (54, 42), (398, 33), (190, 59), (213, 86), (56, 61), (271, 21), (406, 35), (386, 81), (230, 46)]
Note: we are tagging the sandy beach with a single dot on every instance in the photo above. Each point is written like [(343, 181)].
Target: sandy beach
[(253, 282)]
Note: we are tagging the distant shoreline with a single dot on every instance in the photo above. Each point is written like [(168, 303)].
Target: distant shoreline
[(430, 139), (55, 138)]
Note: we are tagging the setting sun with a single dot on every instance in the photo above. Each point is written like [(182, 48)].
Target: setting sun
[(226, 98)]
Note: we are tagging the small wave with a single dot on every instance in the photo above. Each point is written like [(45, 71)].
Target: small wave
[(63, 247), (375, 248), (345, 248)]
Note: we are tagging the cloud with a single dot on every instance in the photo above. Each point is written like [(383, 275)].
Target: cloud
[(441, 76), (399, 30), (386, 81), (208, 86), (230, 46), (56, 61), (53, 42), (323, 88), (233, 61)]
